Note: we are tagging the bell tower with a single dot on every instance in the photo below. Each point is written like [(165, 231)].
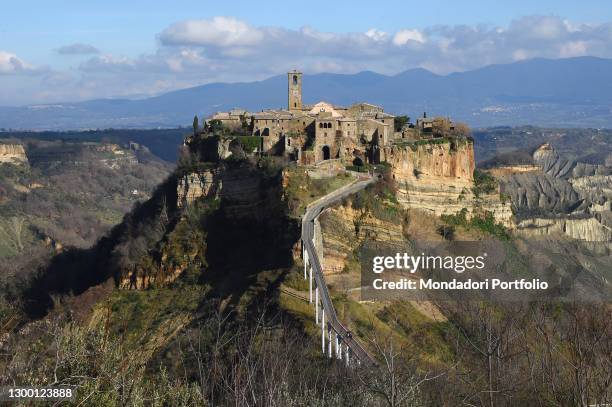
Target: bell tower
[(295, 90)]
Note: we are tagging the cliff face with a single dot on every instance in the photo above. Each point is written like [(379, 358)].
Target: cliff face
[(540, 192), (596, 189), (589, 229), (194, 185), (13, 154), (438, 178), (342, 231), (432, 177), (451, 162), (560, 167), (563, 197), (67, 153)]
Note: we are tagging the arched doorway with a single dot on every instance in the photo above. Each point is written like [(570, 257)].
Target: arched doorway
[(326, 153)]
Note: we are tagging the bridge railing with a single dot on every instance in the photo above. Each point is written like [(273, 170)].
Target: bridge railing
[(316, 270)]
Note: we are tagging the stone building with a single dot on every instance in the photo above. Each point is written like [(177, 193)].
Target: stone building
[(233, 119), (313, 133)]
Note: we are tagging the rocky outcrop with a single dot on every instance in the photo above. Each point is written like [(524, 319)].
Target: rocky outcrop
[(512, 169), (564, 197), (444, 159), (596, 189), (589, 229), (241, 188), (113, 156), (538, 192), (557, 166), (433, 177), (194, 185), (344, 227), (437, 177), (13, 154), (52, 154)]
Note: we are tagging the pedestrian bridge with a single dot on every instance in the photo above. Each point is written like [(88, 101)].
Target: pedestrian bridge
[(336, 340)]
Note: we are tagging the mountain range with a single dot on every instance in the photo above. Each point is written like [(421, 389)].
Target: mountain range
[(573, 92)]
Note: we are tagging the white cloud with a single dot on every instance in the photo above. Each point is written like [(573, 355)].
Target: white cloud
[(12, 64), (549, 28), (220, 31), (520, 55), (403, 36), (376, 35), (573, 49), (108, 63)]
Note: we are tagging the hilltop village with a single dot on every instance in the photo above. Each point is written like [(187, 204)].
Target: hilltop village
[(311, 134)]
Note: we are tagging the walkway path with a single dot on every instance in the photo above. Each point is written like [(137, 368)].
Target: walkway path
[(332, 327)]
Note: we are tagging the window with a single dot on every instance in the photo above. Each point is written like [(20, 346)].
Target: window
[(295, 80), (295, 105), (320, 125)]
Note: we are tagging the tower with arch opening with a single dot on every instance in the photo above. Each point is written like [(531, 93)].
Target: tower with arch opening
[(295, 90)]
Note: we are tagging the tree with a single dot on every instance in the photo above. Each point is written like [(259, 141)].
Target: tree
[(441, 127), (215, 126), (244, 125), (401, 122), (462, 130), (13, 233), (196, 125)]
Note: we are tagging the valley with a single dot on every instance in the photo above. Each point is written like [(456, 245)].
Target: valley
[(214, 250)]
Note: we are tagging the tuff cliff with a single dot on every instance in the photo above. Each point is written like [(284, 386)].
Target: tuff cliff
[(13, 154), (437, 176), (344, 227), (196, 184), (50, 154)]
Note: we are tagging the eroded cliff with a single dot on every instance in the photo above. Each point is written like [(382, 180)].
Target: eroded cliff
[(437, 176), (562, 197), (13, 154)]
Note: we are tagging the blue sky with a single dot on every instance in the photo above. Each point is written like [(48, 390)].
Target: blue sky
[(63, 50)]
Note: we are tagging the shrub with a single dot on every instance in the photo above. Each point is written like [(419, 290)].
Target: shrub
[(484, 183), (485, 223)]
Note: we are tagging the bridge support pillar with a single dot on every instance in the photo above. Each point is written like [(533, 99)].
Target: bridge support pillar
[(323, 331), (346, 358), (305, 257), (310, 283), (317, 305), (337, 343), (329, 331)]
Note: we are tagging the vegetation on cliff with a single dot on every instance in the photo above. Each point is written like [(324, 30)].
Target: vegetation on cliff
[(220, 316)]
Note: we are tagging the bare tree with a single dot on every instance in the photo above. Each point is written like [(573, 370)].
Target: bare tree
[(13, 232)]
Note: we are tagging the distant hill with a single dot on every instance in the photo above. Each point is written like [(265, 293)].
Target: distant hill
[(561, 93), (68, 193)]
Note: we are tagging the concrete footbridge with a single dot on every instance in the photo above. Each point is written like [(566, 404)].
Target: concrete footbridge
[(336, 340)]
